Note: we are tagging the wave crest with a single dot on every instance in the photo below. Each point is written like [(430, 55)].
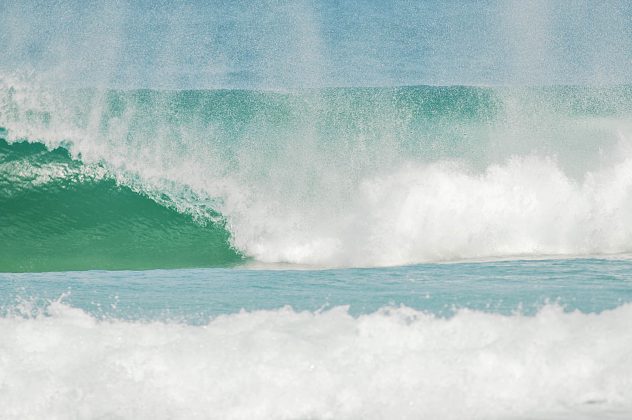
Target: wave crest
[(355, 177)]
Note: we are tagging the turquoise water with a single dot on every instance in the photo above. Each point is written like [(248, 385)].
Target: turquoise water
[(197, 296), (536, 339), (340, 177), (442, 252), (315, 209)]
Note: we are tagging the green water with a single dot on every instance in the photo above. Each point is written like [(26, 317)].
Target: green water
[(104, 179), (77, 222)]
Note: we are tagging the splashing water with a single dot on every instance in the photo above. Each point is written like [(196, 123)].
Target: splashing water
[(335, 177)]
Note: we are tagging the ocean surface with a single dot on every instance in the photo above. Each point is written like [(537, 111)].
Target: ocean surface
[(402, 252)]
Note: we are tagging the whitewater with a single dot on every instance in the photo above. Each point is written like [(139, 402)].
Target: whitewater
[(335, 177), (409, 252), (286, 364), (505, 340), (315, 210)]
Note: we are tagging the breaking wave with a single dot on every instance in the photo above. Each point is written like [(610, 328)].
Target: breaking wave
[(330, 177)]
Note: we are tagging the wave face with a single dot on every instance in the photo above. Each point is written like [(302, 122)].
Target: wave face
[(333, 177), (394, 363), (58, 214)]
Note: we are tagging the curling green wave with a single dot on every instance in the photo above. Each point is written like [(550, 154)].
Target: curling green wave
[(56, 215)]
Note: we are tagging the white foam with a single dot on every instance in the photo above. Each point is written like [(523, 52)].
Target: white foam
[(361, 201), (439, 212), (395, 363)]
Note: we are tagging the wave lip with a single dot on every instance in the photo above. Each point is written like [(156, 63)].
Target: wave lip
[(347, 176)]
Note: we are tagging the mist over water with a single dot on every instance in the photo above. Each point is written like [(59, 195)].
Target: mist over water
[(349, 177), (291, 137), (288, 126), (298, 44)]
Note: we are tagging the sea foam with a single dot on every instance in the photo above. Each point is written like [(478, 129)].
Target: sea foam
[(362, 177), (394, 363), (526, 206)]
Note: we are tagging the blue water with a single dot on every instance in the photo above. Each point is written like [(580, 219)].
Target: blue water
[(266, 141), (536, 339), (196, 296), (280, 44)]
